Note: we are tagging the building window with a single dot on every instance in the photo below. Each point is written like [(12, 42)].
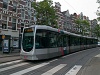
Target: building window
[(22, 26), (22, 13), (28, 4), (9, 18), (29, 14), (14, 6), (13, 24), (5, 4), (4, 25), (4, 18)]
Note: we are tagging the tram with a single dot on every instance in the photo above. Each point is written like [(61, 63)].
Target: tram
[(44, 42)]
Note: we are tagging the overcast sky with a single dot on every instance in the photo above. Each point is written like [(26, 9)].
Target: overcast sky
[(88, 7)]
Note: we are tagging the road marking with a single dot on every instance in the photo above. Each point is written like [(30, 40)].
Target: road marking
[(97, 55), (10, 67), (55, 69), (53, 60), (64, 56), (10, 62), (29, 69), (74, 70), (77, 52)]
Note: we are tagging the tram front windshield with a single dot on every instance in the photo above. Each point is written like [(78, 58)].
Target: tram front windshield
[(28, 39)]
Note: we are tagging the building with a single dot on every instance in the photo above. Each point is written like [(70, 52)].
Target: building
[(14, 16), (93, 23), (60, 21), (67, 21), (74, 17)]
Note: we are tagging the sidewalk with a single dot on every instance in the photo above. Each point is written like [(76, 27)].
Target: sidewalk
[(93, 67), (13, 53), (5, 57)]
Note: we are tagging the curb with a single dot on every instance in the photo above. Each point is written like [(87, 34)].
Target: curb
[(9, 56), (4, 61)]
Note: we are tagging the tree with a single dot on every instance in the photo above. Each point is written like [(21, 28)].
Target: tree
[(98, 11), (86, 27), (83, 26), (97, 28), (45, 13), (96, 31)]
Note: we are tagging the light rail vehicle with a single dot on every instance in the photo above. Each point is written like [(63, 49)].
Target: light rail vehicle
[(44, 42)]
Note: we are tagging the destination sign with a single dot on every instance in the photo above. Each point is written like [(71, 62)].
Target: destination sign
[(29, 30)]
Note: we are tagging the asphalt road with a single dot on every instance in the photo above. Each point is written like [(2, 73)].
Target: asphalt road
[(79, 63)]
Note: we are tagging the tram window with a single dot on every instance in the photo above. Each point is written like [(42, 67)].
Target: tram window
[(84, 41), (27, 41), (72, 39), (42, 40), (53, 39), (60, 40), (95, 41), (92, 41), (64, 40), (88, 41), (77, 41), (45, 39)]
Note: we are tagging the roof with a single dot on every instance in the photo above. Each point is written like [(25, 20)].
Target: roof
[(55, 29)]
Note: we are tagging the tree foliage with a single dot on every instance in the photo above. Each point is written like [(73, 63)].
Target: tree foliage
[(45, 13), (96, 30), (83, 26)]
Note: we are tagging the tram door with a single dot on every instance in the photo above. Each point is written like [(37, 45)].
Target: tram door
[(63, 44), (52, 42)]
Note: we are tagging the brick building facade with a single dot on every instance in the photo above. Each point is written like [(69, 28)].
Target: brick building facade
[(14, 16), (60, 20)]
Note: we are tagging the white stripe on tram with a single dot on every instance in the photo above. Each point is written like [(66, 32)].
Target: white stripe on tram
[(29, 69), (55, 69), (10, 62), (74, 70), (10, 67)]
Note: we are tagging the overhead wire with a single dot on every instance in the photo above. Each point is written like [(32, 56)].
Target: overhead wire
[(71, 6)]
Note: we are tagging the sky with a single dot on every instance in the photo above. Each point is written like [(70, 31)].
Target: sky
[(88, 7)]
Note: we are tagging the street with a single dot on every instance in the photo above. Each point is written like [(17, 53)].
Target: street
[(79, 63)]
